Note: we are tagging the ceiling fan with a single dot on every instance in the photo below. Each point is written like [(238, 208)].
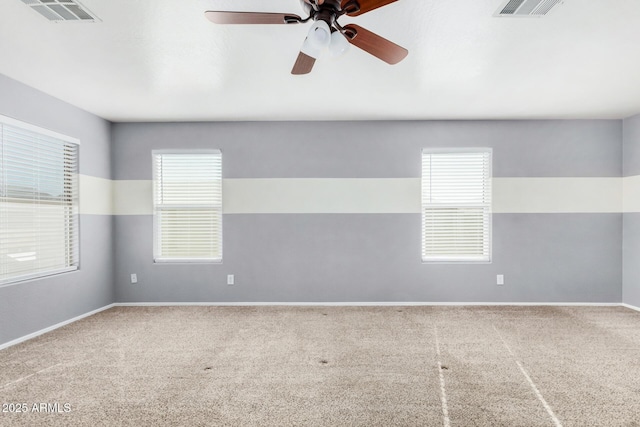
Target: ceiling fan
[(325, 32)]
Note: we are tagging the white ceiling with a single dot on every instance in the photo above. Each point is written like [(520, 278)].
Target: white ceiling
[(161, 60)]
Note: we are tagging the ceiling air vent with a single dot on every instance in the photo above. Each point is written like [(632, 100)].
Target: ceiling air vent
[(61, 10), (527, 7)]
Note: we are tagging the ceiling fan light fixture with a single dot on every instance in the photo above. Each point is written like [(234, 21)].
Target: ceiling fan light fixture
[(317, 40), (319, 34), (310, 49), (338, 45)]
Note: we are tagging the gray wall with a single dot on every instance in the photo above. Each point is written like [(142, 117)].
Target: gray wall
[(631, 233), (376, 149), (335, 257), (32, 305), (376, 257)]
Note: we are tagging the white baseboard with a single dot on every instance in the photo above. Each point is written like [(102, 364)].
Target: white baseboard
[(361, 304), (632, 307), (51, 328)]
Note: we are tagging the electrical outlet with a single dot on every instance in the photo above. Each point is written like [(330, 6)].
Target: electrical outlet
[(500, 279), (230, 279), (134, 278)]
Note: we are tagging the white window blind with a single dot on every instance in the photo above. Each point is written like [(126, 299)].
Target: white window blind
[(187, 206), (456, 205), (38, 202)]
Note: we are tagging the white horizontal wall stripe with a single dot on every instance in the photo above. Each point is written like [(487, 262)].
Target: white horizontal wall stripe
[(133, 197), (95, 195), (390, 195), (631, 187), (376, 195), (557, 195)]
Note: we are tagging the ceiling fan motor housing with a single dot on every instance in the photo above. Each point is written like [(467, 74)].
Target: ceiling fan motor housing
[(325, 15), (333, 4), (328, 11)]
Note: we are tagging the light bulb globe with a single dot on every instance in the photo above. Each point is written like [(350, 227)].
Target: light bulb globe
[(319, 34), (338, 45)]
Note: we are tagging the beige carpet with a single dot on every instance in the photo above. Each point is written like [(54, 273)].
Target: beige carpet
[(317, 366)]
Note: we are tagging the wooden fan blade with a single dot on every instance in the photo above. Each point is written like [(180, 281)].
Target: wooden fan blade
[(365, 5), (251, 18), (304, 64), (374, 44)]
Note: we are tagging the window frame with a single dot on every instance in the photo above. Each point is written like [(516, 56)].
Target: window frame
[(156, 228), (488, 179), (74, 205)]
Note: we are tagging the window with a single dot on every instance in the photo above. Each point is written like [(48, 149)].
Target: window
[(38, 202), (187, 206), (456, 205)]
